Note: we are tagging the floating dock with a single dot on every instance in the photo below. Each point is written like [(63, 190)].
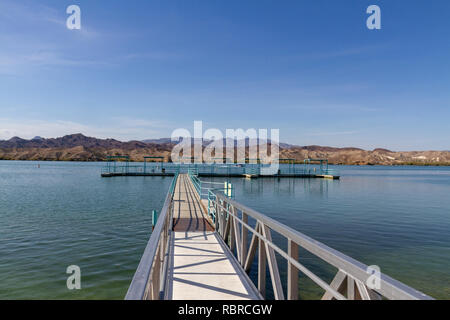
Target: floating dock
[(245, 170), (222, 175)]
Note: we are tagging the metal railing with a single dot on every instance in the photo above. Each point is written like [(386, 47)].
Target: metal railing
[(149, 280), (232, 223), (203, 188), (193, 175), (209, 191), (211, 169)]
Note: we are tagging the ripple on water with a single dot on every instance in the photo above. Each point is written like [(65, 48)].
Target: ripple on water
[(64, 214)]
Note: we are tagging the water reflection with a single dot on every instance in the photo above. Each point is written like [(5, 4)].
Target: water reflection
[(285, 186), (383, 216)]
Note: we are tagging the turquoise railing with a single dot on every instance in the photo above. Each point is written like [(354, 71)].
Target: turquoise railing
[(193, 175), (214, 169), (209, 192), (253, 170), (174, 183), (211, 210)]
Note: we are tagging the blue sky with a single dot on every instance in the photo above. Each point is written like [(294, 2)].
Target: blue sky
[(140, 69)]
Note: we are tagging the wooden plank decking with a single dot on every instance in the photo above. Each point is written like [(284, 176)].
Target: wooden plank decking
[(201, 266), (189, 215)]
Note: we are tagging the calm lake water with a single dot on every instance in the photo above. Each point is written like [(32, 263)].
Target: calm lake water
[(65, 214)]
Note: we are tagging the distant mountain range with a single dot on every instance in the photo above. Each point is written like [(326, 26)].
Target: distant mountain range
[(205, 142), (77, 147)]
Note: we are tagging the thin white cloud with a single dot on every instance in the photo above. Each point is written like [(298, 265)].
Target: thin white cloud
[(345, 52), (117, 128), (24, 60), (334, 133), (45, 44), (140, 123), (43, 58), (17, 12), (22, 52), (152, 56), (39, 15), (13, 63)]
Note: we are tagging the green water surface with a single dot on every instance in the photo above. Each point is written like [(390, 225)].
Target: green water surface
[(64, 213)]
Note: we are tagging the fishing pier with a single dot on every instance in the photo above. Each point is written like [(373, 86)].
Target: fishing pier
[(207, 245), (155, 166)]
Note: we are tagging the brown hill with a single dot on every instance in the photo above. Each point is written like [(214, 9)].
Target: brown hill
[(77, 147)]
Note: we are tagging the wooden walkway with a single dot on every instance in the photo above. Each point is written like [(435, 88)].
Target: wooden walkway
[(189, 214), (201, 266)]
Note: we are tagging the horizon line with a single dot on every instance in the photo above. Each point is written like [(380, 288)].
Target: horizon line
[(203, 139)]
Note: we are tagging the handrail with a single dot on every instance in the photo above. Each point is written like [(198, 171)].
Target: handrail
[(148, 280), (226, 188), (231, 221), (203, 191), (212, 169), (349, 282)]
